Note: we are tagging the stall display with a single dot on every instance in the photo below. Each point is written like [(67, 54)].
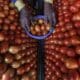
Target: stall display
[(62, 48), (18, 52), (54, 54)]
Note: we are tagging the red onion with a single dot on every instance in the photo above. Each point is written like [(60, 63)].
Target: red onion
[(2, 37), (71, 63)]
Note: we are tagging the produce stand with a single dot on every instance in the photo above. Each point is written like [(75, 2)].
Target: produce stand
[(25, 56)]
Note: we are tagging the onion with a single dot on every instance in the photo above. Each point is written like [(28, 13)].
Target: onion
[(6, 77), (78, 50), (71, 64), (75, 41), (40, 21), (1, 21), (7, 21), (60, 35), (65, 77), (20, 71), (72, 32), (66, 42), (12, 12), (66, 35), (69, 26), (6, 13), (9, 58), (16, 64), (3, 68), (63, 50), (11, 18), (33, 72), (60, 18), (2, 37), (4, 47), (63, 29), (43, 27), (14, 49), (73, 9), (2, 15), (25, 77), (5, 27), (76, 17), (37, 28), (77, 4), (13, 27), (66, 20), (18, 41), (78, 32), (8, 74), (77, 24), (6, 7)]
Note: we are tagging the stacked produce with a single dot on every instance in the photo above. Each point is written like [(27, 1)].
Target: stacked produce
[(62, 48), (18, 52), (40, 27)]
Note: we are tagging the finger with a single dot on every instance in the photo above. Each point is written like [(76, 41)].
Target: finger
[(53, 18), (24, 18)]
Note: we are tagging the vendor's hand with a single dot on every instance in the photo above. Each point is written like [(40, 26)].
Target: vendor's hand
[(25, 19), (49, 12), (24, 14)]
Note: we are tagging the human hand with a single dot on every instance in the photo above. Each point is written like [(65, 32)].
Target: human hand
[(24, 15), (49, 13), (25, 19)]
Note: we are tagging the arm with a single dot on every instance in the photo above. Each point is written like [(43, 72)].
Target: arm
[(24, 15), (49, 11)]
